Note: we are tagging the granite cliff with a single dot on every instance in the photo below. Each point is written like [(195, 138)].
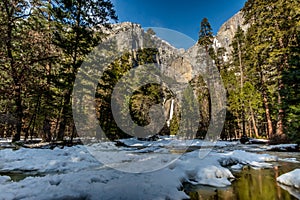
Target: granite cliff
[(183, 66)]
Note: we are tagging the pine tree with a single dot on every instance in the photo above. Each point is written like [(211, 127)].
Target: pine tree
[(206, 40), (78, 31), (23, 53), (205, 34), (238, 45), (271, 37)]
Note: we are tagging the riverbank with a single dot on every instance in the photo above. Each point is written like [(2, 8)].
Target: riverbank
[(75, 172)]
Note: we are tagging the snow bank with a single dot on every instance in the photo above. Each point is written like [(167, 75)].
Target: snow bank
[(4, 179), (291, 178), (206, 171), (171, 141), (73, 172), (283, 147), (4, 140), (291, 160), (258, 141), (246, 158), (46, 161), (101, 184)]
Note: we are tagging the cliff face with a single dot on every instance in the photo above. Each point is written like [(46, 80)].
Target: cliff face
[(182, 66), (194, 59), (227, 31), (178, 64)]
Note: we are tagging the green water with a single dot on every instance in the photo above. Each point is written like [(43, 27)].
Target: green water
[(19, 176), (250, 184), (15, 177)]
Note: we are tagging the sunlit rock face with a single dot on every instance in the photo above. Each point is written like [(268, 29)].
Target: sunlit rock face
[(181, 66), (178, 65), (227, 31)]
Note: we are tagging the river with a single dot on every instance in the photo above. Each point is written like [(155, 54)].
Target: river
[(252, 184)]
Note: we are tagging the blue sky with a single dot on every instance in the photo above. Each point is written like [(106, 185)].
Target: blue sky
[(182, 16)]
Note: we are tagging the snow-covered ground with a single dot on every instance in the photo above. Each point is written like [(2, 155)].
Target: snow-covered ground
[(77, 173), (174, 142), (283, 147)]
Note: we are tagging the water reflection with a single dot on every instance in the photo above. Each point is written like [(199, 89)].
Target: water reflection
[(259, 184), (19, 176), (250, 184)]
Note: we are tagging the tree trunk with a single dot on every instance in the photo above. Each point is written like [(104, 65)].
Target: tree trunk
[(33, 118), (267, 109), (19, 113), (73, 133), (73, 68), (47, 130), (242, 87), (16, 78), (249, 130), (65, 115), (279, 125), (268, 115), (236, 134), (281, 66), (253, 122), (243, 122)]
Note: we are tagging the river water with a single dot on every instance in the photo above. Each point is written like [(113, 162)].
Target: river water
[(252, 184)]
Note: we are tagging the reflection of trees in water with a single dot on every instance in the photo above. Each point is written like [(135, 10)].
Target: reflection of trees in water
[(250, 184)]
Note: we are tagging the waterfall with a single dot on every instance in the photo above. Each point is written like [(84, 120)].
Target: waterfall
[(171, 113)]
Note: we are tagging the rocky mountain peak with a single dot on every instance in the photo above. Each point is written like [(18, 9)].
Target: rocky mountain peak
[(227, 31), (182, 65)]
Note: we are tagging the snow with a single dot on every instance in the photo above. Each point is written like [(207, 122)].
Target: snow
[(104, 184), (4, 140), (255, 140), (291, 178), (45, 160), (247, 158), (132, 159), (283, 147), (206, 171), (291, 160), (172, 141), (75, 172), (5, 143), (237, 167), (4, 179)]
